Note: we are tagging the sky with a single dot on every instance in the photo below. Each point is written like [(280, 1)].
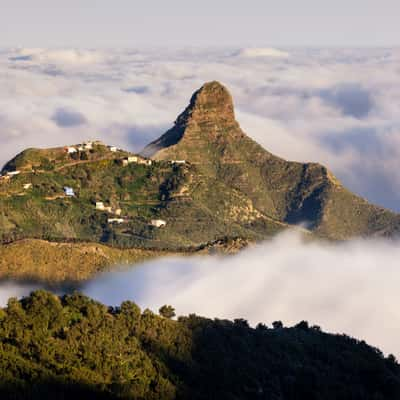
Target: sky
[(127, 23)]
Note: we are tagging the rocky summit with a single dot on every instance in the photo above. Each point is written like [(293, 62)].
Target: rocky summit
[(204, 185)]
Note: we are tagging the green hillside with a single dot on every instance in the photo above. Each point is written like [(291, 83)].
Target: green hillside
[(197, 209), (74, 347)]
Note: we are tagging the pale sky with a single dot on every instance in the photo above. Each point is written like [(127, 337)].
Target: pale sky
[(129, 23)]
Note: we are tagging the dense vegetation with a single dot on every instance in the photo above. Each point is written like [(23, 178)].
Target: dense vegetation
[(74, 347)]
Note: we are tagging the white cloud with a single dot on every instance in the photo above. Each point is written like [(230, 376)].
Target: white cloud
[(262, 52), (70, 56), (350, 288), (9, 289)]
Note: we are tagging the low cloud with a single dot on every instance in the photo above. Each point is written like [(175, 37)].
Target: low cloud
[(262, 52), (347, 287), (10, 289), (70, 56), (350, 287), (350, 99), (68, 118)]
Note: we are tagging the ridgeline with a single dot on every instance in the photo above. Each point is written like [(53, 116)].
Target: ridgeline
[(74, 347), (202, 186)]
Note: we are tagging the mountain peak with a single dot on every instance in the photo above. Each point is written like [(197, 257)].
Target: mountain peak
[(209, 114), (211, 104)]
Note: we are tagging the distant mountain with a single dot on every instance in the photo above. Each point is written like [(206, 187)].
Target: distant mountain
[(203, 185), (75, 348)]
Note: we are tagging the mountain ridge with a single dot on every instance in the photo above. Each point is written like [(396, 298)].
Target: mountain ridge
[(206, 182), (210, 118)]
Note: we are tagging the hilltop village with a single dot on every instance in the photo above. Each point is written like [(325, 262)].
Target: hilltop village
[(70, 156)]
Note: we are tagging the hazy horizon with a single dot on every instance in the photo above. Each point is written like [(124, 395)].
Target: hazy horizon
[(100, 23)]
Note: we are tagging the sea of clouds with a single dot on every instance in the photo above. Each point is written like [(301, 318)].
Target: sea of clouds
[(340, 107)]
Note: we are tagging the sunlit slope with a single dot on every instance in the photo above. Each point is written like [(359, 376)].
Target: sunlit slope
[(197, 209), (75, 347), (207, 135)]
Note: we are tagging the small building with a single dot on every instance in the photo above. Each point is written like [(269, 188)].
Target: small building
[(112, 148), (144, 161), (108, 209), (88, 145), (158, 223), (13, 173), (81, 148), (178, 162), (68, 191), (27, 186), (71, 150), (117, 211), (125, 163), (115, 220), (132, 159), (99, 205)]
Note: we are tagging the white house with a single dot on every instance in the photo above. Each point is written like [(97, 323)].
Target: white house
[(27, 185), (112, 148), (117, 211), (71, 150), (13, 173), (158, 223), (99, 205), (88, 145), (132, 159), (115, 220), (178, 162), (69, 191), (124, 163)]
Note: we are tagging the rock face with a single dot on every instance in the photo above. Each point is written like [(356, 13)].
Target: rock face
[(207, 117), (207, 135)]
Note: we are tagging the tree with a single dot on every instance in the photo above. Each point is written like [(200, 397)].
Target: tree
[(277, 325), (167, 311), (241, 322), (303, 325)]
